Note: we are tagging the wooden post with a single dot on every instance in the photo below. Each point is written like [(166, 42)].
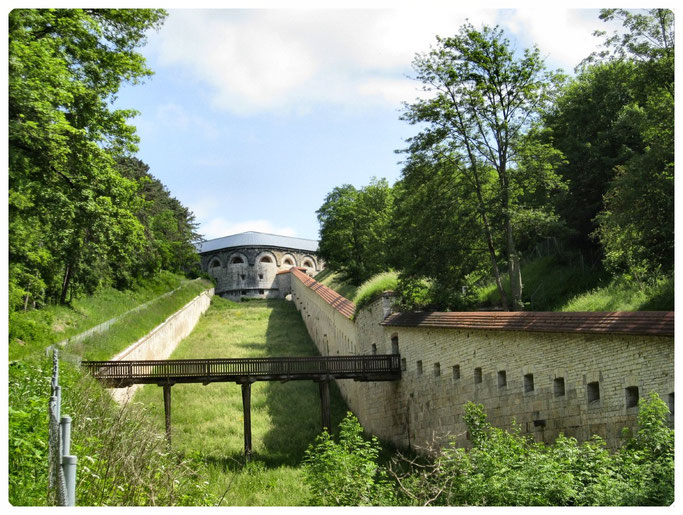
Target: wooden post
[(167, 411), (246, 406), (325, 404)]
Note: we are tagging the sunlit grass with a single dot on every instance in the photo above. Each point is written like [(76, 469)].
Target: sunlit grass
[(208, 420), (332, 280), (133, 326), (32, 331)]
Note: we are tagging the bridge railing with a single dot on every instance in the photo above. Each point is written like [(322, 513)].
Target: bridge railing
[(256, 367)]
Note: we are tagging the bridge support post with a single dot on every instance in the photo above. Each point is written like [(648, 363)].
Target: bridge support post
[(167, 411), (325, 405), (246, 407)]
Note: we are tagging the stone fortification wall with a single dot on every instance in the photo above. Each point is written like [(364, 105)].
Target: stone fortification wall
[(163, 339), (582, 379)]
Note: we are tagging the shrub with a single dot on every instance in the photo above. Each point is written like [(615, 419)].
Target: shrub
[(345, 473), (506, 468)]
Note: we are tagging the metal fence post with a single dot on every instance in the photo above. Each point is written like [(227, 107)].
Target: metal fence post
[(65, 426), (69, 467)]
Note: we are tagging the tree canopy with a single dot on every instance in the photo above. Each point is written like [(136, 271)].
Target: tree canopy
[(509, 153), (76, 218)]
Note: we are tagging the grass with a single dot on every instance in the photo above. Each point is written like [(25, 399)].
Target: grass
[(548, 285), (373, 288), (622, 295), (334, 281), (30, 332), (133, 326), (207, 420)]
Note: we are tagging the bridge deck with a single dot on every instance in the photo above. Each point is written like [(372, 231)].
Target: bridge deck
[(121, 374)]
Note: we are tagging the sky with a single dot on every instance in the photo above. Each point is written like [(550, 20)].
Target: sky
[(254, 115)]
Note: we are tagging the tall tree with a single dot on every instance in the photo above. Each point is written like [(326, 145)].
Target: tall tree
[(636, 226), (614, 124), (71, 215), (481, 102), (353, 229)]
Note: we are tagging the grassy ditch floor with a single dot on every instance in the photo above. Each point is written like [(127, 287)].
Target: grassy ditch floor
[(207, 421)]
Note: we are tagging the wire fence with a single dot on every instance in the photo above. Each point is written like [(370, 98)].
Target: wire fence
[(61, 464)]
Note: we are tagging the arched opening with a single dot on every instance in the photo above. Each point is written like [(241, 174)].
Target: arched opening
[(308, 264), (288, 262), (266, 259), (215, 263), (237, 260)]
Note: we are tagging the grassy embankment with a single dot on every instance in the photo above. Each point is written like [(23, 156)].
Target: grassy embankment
[(207, 420), (32, 331), (549, 285)]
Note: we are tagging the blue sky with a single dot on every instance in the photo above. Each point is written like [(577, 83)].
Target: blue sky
[(253, 116)]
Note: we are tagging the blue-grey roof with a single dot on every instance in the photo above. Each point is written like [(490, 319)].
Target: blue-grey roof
[(257, 239)]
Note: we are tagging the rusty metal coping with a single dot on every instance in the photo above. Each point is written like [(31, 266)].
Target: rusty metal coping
[(652, 323), (338, 302)]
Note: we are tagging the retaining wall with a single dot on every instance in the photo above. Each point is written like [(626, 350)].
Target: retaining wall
[(575, 382), (163, 339)]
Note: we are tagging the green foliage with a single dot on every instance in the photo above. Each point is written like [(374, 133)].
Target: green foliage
[(614, 124), (505, 468), (622, 294), (374, 287), (353, 230), (485, 100), (121, 459), (80, 218), (345, 472)]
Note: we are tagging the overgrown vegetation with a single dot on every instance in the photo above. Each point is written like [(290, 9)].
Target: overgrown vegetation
[(502, 468), (122, 459), (509, 154), (345, 472)]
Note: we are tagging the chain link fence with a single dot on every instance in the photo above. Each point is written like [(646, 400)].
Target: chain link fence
[(61, 465)]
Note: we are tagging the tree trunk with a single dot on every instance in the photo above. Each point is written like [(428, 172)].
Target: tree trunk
[(65, 283)]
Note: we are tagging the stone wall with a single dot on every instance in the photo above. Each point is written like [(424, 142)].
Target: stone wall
[(253, 271), (163, 339), (577, 383)]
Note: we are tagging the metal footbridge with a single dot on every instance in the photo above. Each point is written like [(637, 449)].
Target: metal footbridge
[(245, 371)]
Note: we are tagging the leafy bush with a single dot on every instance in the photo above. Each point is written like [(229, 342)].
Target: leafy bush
[(505, 468), (345, 473)]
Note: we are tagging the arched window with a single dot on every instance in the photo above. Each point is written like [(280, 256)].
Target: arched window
[(237, 260), (394, 344), (266, 259), (288, 262), (308, 264), (214, 264)]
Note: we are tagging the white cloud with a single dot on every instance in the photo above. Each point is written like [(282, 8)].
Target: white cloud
[(289, 59), (218, 227), (266, 60), (565, 37)]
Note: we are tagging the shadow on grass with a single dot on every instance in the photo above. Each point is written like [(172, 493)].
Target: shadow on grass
[(294, 407)]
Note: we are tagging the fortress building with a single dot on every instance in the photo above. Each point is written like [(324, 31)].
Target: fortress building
[(249, 264)]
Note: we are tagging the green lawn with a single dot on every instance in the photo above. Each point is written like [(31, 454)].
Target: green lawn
[(207, 420)]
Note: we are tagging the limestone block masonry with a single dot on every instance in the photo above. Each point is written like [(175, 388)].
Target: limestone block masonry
[(579, 374), (164, 338)]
